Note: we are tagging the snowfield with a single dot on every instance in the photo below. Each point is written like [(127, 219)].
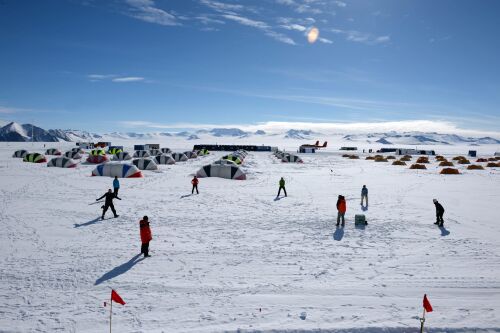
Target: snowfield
[(234, 259)]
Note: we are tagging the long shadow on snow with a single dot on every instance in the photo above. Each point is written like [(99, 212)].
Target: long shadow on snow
[(97, 219), (444, 231), (119, 270), (338, 234)]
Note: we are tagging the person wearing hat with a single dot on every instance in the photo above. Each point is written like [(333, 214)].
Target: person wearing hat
[(439, 213), (146, 236)]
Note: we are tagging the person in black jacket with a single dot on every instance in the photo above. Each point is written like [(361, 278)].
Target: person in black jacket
[(108, 203), (439, 213)]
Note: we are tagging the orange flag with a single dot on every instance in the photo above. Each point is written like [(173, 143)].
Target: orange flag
[(427, 304), (115, 297)]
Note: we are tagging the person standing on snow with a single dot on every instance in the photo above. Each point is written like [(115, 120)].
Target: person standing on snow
[(364, 195), (341, 209), (108, 203), (146, 236), (116, 187), (195, 181), (282, 186), (439, 213)]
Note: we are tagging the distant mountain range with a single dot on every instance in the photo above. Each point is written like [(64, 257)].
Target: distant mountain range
[(15, 132)]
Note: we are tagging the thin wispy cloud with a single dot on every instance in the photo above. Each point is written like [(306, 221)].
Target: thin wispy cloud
[(146, 10), (362, 37), (9, 110), (114, 78)]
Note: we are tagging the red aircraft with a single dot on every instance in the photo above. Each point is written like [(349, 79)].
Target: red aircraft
[(316, 145)]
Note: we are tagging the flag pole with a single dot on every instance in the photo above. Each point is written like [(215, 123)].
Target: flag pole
[(422, 321), (110, 312)]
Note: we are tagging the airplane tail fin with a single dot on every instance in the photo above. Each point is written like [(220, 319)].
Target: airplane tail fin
[(317, 143), (324, 144)]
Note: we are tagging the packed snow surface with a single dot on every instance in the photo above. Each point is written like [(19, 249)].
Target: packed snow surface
[(235, 258)]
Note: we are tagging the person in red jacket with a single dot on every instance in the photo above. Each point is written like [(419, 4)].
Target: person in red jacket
[(341, 209), (195, 182), (145, 236)]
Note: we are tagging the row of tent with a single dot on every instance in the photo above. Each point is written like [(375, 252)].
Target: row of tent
[(227, 167), (287, 157)]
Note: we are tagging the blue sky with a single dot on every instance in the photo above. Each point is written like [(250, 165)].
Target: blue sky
[(123, 65)]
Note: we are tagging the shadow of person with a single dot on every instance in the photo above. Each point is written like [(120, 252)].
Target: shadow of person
[(186, 195), (277, 198), (444, 231), (338, 234), (97, 219), (119, 270)]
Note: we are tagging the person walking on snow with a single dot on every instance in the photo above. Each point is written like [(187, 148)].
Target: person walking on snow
[(116, 187), (364, 195), (195, 183), (108, 203), (439, 213), (146, 236), (282, 186), (341, 209)]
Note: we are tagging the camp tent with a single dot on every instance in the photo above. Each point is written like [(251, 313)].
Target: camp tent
[(62, 162), (164, 159), (166, 150), (291, 159), (226, 162), (115, 150), (73, 155), (20, 153), (233, 158), (179, 157), (117, 170), (53, 151), (34, 158), (191, 154), (141, 153), (97, 152), (221, 171), (145, 164), (122, 156), (78, 150), (154, 152), (202, 152), (97, 159)]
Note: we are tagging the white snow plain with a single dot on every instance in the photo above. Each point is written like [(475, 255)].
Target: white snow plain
[(234, 259)]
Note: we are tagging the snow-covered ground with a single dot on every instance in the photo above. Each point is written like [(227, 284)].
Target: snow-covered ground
[(234, 258)]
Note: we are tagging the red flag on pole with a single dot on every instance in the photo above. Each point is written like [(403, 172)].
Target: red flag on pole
[(115, 297), (427, 304)]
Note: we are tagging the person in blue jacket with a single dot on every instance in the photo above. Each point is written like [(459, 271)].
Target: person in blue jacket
[(364, 195), (116, 187)]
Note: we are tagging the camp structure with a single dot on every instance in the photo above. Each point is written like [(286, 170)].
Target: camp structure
[(145, 164), (166, 150), (418, 166), (479, 160), (53, 151), (224, 162), (20, 153), (369, 158), (291, 159), (78, 150), (140, 147), (34, 158), (164, 159), (97, 159), (97, 152), (353, 157), (405, 158), (446, 163), (62, 162), (233, 158), (403, 151), (458, 158), (190, 154), (151, 146), (449, 171), (203, 152), (115, 150), (464, 161), (141, 153), (102, 144), (380, 159), (179, 157), (391, 157), (117, 170), (73, 155), (85, 145), (154, 152), (423, 159), (122, 156), (492, 165), (475, 167), (399, 163), (221, 171)]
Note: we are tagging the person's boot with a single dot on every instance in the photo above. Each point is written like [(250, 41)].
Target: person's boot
[(437, 222), (116, 215), (102, 217)]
